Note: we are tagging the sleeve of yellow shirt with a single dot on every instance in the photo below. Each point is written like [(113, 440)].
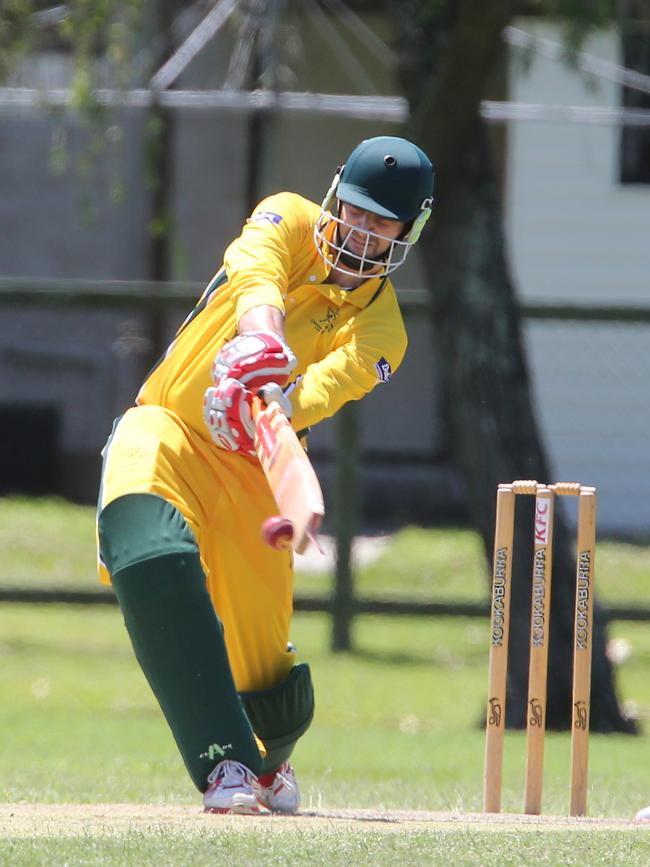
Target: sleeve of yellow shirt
[(366, 352), (258, 262)]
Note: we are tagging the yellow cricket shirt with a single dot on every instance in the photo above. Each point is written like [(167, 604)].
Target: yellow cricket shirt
[(346, 341)]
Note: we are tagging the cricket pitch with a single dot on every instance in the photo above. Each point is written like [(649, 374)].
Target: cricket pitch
[(44, 820)]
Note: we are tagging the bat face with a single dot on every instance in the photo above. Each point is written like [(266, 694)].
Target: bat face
[(267, 442), (289, 473)]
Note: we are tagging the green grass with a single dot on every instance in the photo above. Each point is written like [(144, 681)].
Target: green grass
[(46, 543), (397, 723), (356, 848), (51, 543), (78, 722), (397, 727)]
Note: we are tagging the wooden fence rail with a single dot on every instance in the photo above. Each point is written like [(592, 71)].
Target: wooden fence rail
[(314, 604)]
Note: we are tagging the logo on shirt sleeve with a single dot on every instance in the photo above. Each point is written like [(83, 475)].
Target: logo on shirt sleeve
[(384, 370), (267, 217)]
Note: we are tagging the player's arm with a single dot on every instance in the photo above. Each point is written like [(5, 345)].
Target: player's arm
[(264, 317), (362, 358), (259, 262)]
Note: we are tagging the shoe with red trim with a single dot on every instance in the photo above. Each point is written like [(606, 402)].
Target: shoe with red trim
[(230, 789), (278, 791)]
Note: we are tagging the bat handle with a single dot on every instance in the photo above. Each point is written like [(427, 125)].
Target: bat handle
[(257, 406)]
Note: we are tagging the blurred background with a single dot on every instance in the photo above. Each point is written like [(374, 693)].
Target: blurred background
[(132, 148), (135, 138)]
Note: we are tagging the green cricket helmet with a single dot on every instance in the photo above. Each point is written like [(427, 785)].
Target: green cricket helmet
[(390, 177)]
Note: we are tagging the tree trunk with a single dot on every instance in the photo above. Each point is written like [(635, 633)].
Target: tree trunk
[(492, 430), (159, 143)]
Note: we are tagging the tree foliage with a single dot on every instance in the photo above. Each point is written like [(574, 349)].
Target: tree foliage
[(102, 40), (88, 30)]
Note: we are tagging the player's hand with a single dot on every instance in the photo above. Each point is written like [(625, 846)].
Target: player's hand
[(255, 358), (271, 392), (227, 414)]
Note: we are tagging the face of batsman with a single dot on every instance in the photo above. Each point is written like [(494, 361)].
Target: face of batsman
[(382, 197), (365, 238)]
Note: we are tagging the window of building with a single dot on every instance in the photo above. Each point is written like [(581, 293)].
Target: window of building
[(634, 163)]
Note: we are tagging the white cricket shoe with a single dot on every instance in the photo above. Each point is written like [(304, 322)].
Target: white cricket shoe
[(279, 791), (230, 789)]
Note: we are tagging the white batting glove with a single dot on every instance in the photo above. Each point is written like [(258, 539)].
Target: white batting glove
[(255, 359), (227, 414)]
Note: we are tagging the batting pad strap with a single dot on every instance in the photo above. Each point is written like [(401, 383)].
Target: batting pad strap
[(138, 527), (283, 713)]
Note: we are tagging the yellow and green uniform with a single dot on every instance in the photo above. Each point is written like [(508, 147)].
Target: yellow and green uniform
[(345, 342), (338, 336)]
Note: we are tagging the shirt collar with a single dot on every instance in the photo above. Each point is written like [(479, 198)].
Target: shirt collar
[(360, 297)]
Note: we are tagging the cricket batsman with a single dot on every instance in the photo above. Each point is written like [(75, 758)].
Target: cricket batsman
[(302, 311)]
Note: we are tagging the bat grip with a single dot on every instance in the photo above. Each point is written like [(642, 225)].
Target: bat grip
[(257, 406)]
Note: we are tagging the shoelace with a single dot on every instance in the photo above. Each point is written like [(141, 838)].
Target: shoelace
[(282, 774), (282, 779), (229, 767)]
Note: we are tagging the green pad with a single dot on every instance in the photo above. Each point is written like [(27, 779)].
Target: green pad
[(138, 527), (281, 714), (176, 634)]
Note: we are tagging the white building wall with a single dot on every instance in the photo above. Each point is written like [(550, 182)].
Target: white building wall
[(577, 235)]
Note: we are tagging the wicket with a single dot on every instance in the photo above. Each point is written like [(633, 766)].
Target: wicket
[(539, 631)]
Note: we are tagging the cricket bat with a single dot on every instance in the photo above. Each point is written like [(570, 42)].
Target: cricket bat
[(291, 478)]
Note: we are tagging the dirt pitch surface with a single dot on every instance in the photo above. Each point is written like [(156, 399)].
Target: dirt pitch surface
[(44, 820)]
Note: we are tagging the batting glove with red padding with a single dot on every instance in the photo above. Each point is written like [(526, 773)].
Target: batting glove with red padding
[(227, 414), (254, 358)]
